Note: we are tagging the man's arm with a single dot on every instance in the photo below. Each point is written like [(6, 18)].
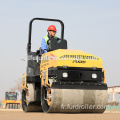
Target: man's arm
[(43, 45)]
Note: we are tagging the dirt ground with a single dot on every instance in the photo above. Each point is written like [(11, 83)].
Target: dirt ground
[(20, 115)]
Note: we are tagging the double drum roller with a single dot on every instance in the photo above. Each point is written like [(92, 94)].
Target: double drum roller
[(63, 80)]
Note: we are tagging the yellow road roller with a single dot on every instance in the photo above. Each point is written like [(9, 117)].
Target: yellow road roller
[(10, 101), (63, 80)]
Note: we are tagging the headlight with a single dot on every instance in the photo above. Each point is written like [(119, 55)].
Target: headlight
[(94, 75), (65, 74)]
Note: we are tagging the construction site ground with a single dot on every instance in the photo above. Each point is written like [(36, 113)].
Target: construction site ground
[(11, 114)]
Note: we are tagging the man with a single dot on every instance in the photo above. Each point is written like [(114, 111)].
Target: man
[(45, 41)]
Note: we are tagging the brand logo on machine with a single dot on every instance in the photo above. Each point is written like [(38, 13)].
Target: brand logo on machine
[(79, 61), (52, 57)]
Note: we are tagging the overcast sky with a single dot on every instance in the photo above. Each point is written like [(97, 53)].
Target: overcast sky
[(90, 25)]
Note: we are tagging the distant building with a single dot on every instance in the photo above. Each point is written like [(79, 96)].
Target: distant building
[(114, 95)]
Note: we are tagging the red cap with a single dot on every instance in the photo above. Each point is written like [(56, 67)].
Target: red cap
[(52, 27)]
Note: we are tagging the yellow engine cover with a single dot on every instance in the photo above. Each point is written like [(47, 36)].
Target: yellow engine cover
[(69, 58)]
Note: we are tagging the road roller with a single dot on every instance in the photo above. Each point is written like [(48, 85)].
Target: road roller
[(11, 101), (62, 80)]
